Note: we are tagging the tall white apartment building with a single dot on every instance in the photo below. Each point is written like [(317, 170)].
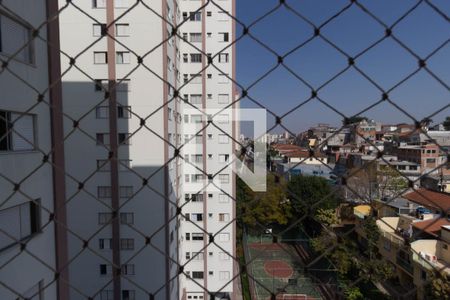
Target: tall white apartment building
[(122, 192), (207, 66), (32, 246), (117, 214)]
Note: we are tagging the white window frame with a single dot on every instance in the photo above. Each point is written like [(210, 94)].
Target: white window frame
[(100, 57), (122, 29), (224, 139), (99, 4), (123, 57), (224, 98)]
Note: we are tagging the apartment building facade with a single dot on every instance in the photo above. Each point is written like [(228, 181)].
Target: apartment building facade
[(130, 107), (32, 236), (208, 70), (429, 156), (122, 198), (119, 116)]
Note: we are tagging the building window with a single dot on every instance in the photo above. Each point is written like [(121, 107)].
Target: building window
[(224, 158), (423, 275), (127, 218), (100, 57), (197, 255), (124, 112), (19, 222), (224, 217), (99, 4), (102, 112), (105, 269), (197, 197), (188, 236), (124, 139), (103, 192), (196, 99), (102, 138), (98, 29), (195, 119), (197, 217), (104, 218), (125, 192), (128, 269), (197, 236), (196, 58), (128, 295), (122, 29), (223, 78), (387, 245), (21, 137), (196, 78), (223, 57), (223, 139), (127, 244), (105, 244), (224, 98), (223, 198), (224, 275), (223, 36), (195, 37), (15, 35), (195, 16), (197, 275), (122, 57), (224, 237), (106, 294)]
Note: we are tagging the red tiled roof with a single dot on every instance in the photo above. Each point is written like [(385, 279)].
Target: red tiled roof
[(302, 154), (432, 226), (431, 199)]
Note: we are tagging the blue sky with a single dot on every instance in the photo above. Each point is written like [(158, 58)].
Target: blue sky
[(387, 63)]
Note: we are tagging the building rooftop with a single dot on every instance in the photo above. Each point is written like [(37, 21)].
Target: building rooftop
[(430, 199), (401, 203), (432, 226)]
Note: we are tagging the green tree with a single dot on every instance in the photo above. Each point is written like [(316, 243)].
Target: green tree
[(438, 288), (270, 207), (375, 268), (372, 235), (353, 293), (343, 253), (310, 191), (327, 216), (446, 123)]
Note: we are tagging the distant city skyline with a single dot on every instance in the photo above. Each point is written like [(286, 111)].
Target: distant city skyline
[(387, 63)]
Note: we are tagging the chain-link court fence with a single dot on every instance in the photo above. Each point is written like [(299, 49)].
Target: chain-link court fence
[(105, 195)]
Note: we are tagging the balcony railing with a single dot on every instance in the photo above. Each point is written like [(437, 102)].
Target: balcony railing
[(404, 264)]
